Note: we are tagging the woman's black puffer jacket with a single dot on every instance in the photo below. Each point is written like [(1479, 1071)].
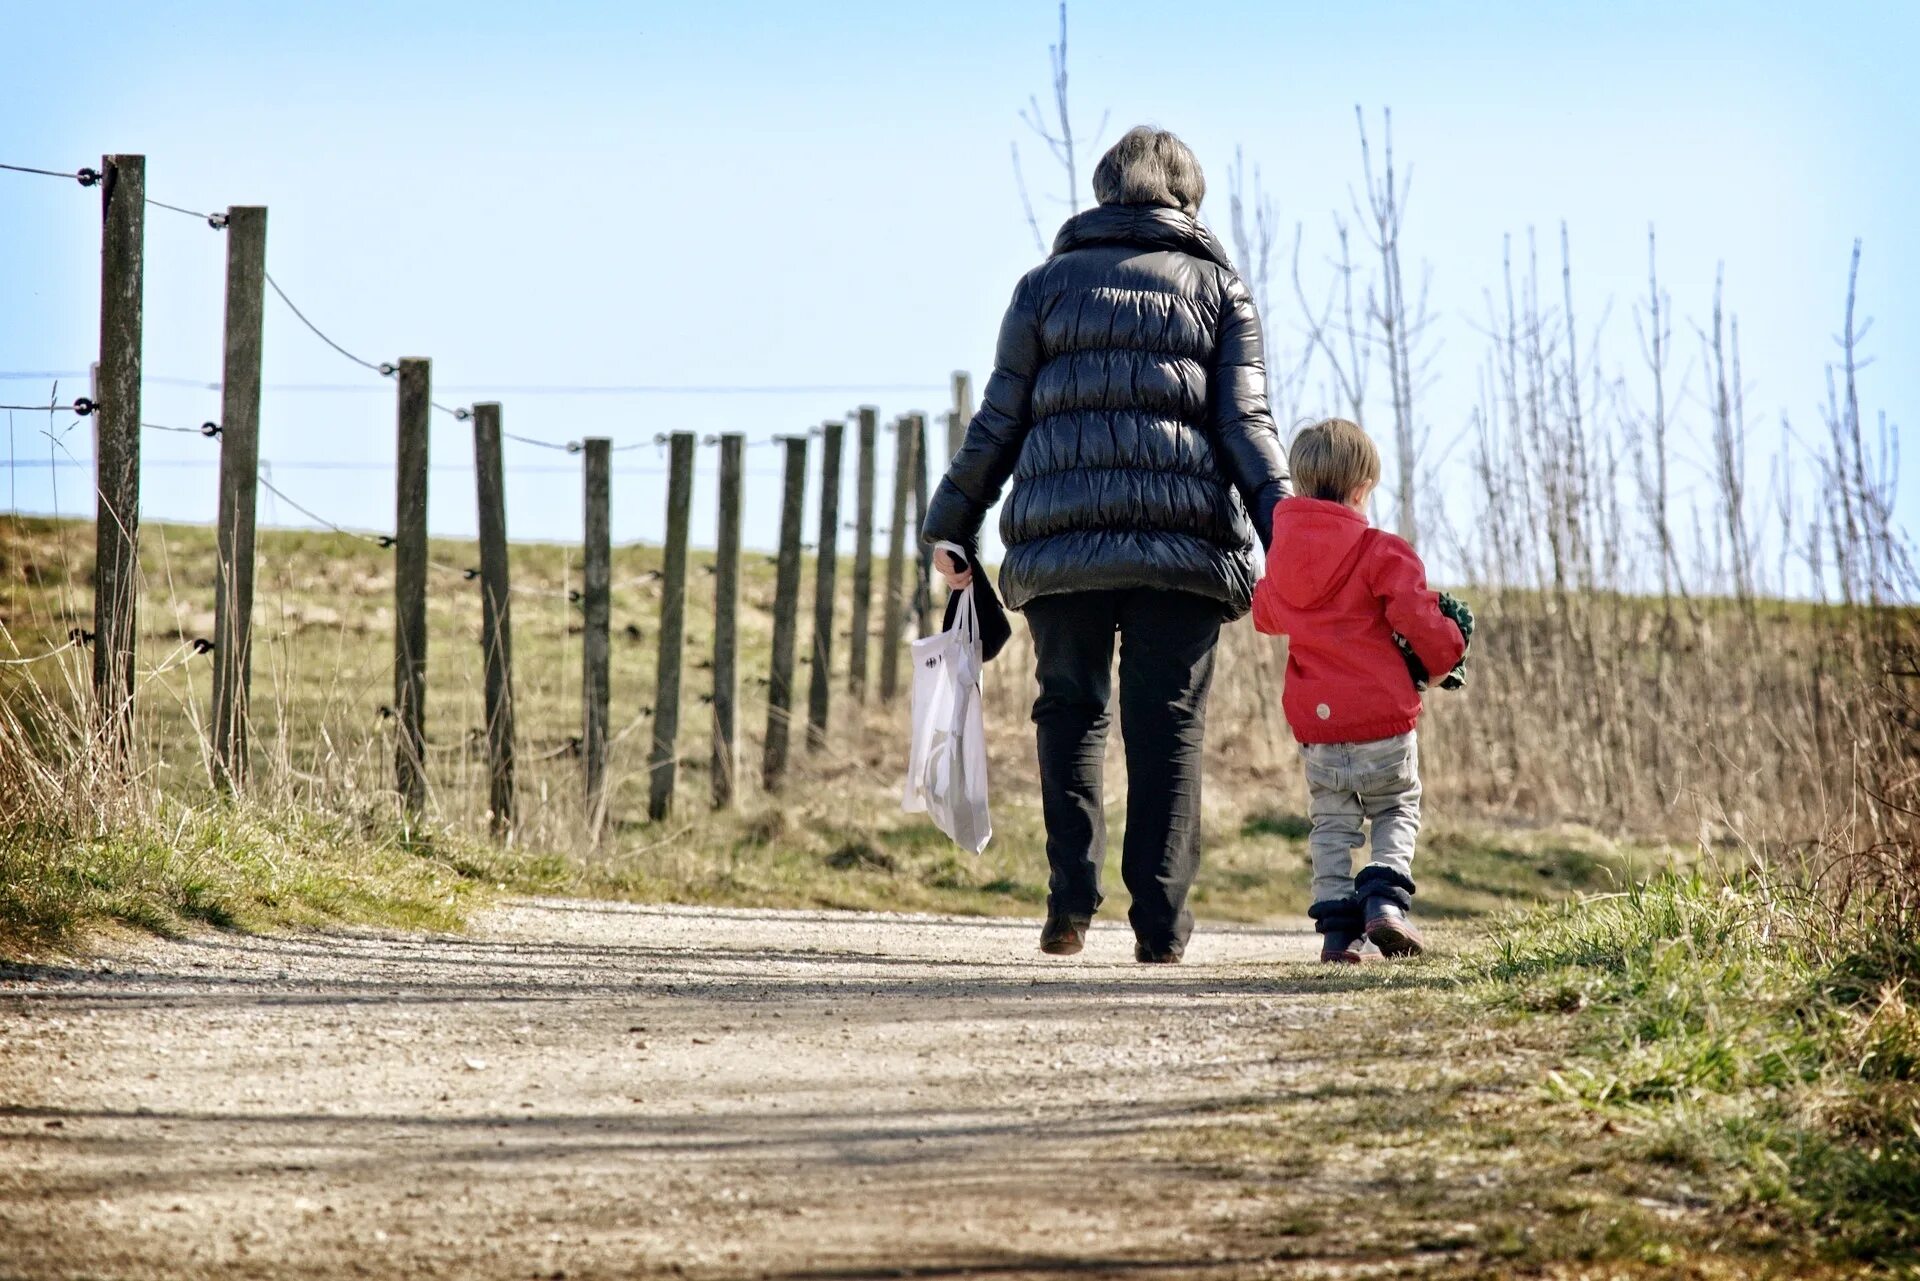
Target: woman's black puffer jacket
[(1128, 405)]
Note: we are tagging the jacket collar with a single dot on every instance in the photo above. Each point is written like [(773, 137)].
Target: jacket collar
[(1147, 226)]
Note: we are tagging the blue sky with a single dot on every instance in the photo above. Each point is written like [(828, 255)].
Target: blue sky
[(769, 194)]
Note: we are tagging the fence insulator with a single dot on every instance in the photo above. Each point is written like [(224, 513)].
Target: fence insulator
[(386, 712), (575, 447), (201, 645), (385, 540), (388, 369), (462, 415), (83, 406), (209, 429), (573, 595), (88, 177), (469, 574), (217, 221), (80, 636)]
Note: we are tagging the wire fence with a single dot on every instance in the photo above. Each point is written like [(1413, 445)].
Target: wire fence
[(414, 562)]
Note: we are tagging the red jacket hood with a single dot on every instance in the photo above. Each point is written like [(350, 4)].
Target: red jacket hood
[(1322, 541)]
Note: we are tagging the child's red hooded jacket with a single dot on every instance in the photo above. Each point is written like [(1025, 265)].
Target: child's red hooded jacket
[(1338, 590)]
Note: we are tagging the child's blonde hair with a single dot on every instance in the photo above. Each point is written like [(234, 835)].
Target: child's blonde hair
[(1331, 459)]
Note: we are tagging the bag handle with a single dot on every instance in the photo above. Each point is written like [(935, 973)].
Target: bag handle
[(966, 615)]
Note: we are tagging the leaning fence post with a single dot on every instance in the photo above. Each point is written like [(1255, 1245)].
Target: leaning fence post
[(786, 615), (857, 661), (123, 206), (664, 763), (596, 608), (726, 623), (820, 691), (496, 615), (410, 584), (894, 624), (962, 411), (923, 558), (239, 489)]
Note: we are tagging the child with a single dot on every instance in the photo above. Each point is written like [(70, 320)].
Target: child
[(1339, 591)]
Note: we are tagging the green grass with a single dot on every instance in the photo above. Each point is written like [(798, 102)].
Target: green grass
[(1744, 1033), (835, 837), (241, 867), (1696, 1077)]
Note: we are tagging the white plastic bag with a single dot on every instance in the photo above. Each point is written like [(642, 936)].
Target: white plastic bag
[(947, 759)]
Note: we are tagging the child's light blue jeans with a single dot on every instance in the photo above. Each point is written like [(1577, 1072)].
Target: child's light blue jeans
[(1349, 784)]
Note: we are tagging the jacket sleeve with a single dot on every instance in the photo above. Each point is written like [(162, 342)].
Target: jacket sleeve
[(1396, 576), (986, 459), (1266, 608), (1243, 430)]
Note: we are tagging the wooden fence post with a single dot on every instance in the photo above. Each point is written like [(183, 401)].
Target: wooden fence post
[(239, 489), (123, 206), (596, 608), (923, 551), (820, 692), (673, 628), (410, 584), (786, 615), (726, 623), (894, 624), (496, 615), (962, 412), (858, 646)]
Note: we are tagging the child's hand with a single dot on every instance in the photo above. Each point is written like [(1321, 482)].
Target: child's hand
[(1456, 610)]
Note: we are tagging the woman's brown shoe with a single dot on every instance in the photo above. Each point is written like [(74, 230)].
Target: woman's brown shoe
[(1064, 935)]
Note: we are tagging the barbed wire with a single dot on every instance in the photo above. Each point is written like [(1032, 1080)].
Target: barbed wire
[(208, 430), (72, 642), (183, 653), (378, 540), (349, 465), (218, 221), (570, 447), (85, 177), (79, 408), (385, 369), (541, 389)]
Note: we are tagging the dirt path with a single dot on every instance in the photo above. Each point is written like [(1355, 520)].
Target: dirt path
[(596, 1090)]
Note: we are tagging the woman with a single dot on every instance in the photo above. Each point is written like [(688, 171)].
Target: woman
[(1128, 406)]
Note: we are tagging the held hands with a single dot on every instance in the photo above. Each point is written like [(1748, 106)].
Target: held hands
[(958, 578)]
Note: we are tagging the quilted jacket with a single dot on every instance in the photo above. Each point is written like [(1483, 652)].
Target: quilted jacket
[(1128, 407)]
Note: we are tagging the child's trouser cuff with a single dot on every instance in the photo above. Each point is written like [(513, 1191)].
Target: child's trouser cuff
[(1338, 915), (1380, 882)]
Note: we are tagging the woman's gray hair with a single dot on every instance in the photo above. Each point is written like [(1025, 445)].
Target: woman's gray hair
[(1150, 166)]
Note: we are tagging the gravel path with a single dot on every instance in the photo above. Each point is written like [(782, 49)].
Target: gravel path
[(588, 1089)]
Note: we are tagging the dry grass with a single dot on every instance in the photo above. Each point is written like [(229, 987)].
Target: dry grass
[(322, 808)]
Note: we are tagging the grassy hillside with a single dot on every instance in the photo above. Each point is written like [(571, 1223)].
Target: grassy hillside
[(835, 836)]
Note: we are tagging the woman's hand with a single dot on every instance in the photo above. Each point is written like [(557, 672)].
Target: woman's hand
[(957, 579)]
